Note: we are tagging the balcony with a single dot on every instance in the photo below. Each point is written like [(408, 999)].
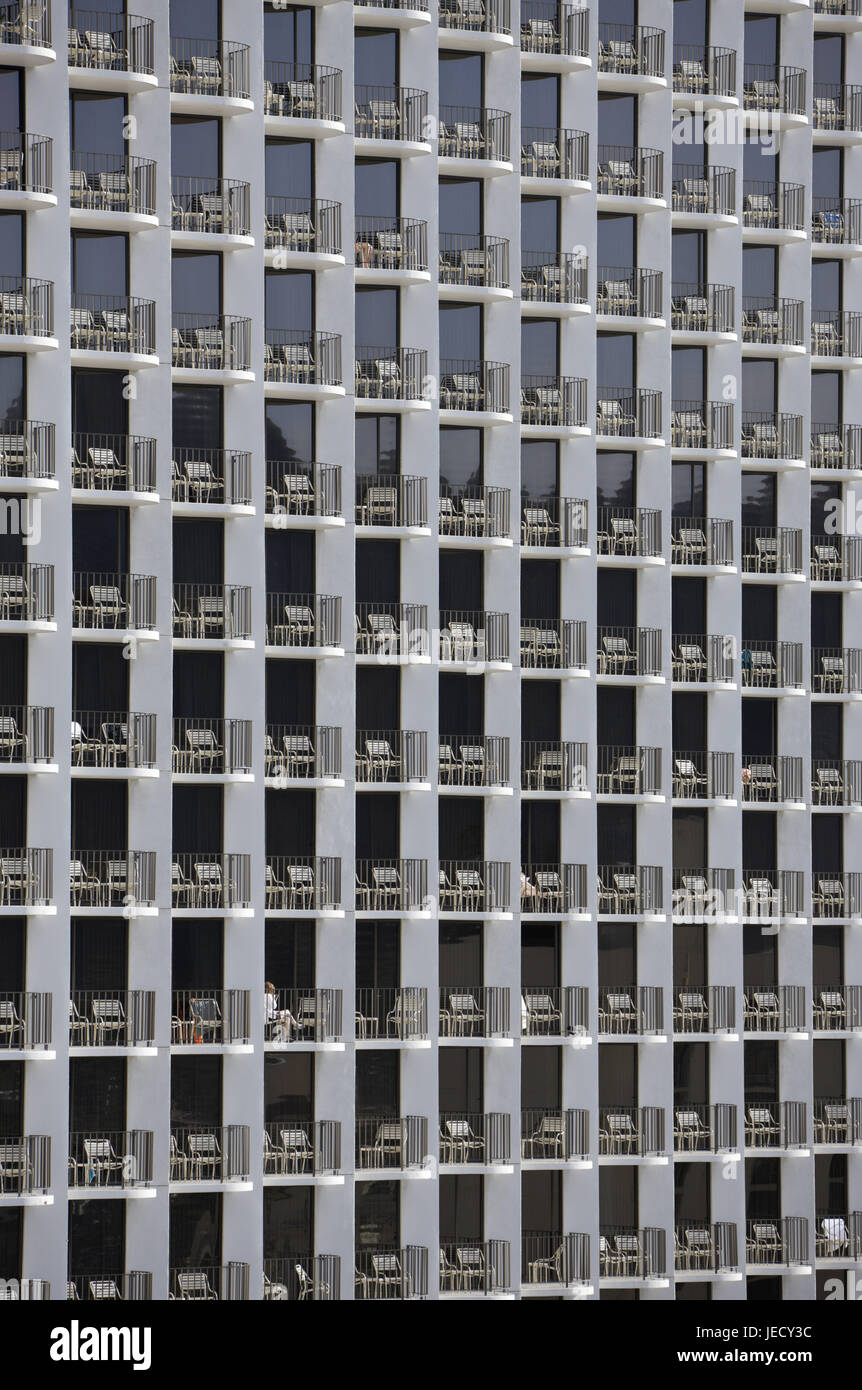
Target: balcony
[(26, 310), (120, 1163), (211, 882), (774, 1009), (210, 214), (782, 1124), (478, 888), (303, 1020), (554, 37), (110, 884), (396, 759), (303, 495), (25, 39), (214, 617), (772, 327), (391, 250), (218, 749), (392, 632), (836, 338), (629, 654), (485, 24), (837, 114), (302, 1150), (296, 886), (26, 179), (113, 330), (471, 762), (704, 311), (473, 642), (25, 1171), (627, 292), (114, 468), (553, 283), (211, 349), (303, 364), (773, 97), (702, 775), (392, 1016), (553, 768), (552, 646), (472, 266), (779, 1245), (837, 1009), (302, 100), (626, 890), (554, 160), (302, 755), (27, 738), (479, 1014), (224, 1283), (772, 440), (628, 1256), (304, 624), (704, 1010), (627, 1132), (475, 1269), (27, 456), (302, 232), (836, 895), (107, 744), (26, 597), (474, 141), (396, 375), (111, 52), (704, 75), (706, 1250), (476, 389), (477, 517), (703, 196), (704, 895), (772, 212), (392, 887), (207, 1157), (121, 1021), (631, 58), (553, 524), (391, 14), (629, 772), (475, 1142), (772, 778), (25, 1025), (302, 1279), (836, 782), (703, 659), (550, 1138), (702, 544), (841, 15), (218, 480), (838, 1239), (115, 604), (838, 1123), (112, 192), (630, 179), (632, 413), (836, 672), (629, 533), (553, 407), (836, 227), (836, 448), (772, 894), (391, 1274), (552, 1261), (391, 121), (210, 77), (27, 882), (772, 552), (556, 1013), (391, 1145), (836, 561), (133, 1287), (554, 890)]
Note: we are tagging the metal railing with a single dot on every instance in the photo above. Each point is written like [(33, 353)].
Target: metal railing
[(838, 7), (552, 1011), (22, 22), (550, 1257), (468, 384), (701, 425), (210, 1153), (303, 1015), (102, 738), (553, 644), (475, 1266), (767, 320), (550, 27), (836, 221), (111, 41), (476, 16), (553, 277), (391, 243), (390, 113), (473, 132), (837, 107), (384, 629), (133, 1287), (26, 592), (303, 1279), (703, 893), (626, 171), (199, 1284), (773, 892), (475, 1138), (631, 1010), (472, 260), (629, 411), (704, 188), (306, 883), (836, 782), (26, 305), (295, 1147), (112, 323), (628, 1253), (702, 657), (629, 531), (771, 665), (563, 1135), (836, 446), (303, 224), (629, 291), (768, 87), (551, 153), (636, 1131), (390, 373), (704, 71), (302, 91), (554, 521), (390, 1141), (25, 1165), (101, 1158), (298, 751), (395, 1014), (26, 165), (302, 357), (211, 746), (771, 777), (838, 1120), (781, 1124), (835, 333), (112, 183), (553, 888), (295, 488), (770, 206), (112, 1018), (201, 1017), (836, 894), (26, 734), (700, 773), (837, 1008), (701, 540), (629, 651), (113, 463), (624, 889), (211, 880), (704, 1008), (767, 434), (771, 550), (779, 1240), (391, 885), (26, 877), (702, 308), (549, 765), (773, 1008), (474, 1011), (701, 1245), (474, 511), (114, 602), (468, 637), (704, 1128), (210, 68), (838, 1237), (631, 50), (25, 1021), (26, 449), (556, 402), (473, 760), (117, 879), (391, 1273), (211, 342), (391, 755), (474, 885), (218, 206), (220, 612), (216, 477), (628, 771)]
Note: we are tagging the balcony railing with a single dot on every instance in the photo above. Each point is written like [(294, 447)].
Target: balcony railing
[(701, 308), (302, 91), (781, 1240), (468, 638), (294, 488), (112, 323), (215, 612), (475, 512), (774, 89), (707, 1247), (303, 1279), (554, 521), (391, 629), (835, 333), (838, 1237), (629, 292), (474, 1138), (773, 892), (118, 739), (210, 1016), (113, 463), (709, 189), (474, 885), (470, 385), (698, 773), (769, 206), (110, 1158), (773, 322), (771, 550), (114, 602), (626, 889), (26, 877), (476, 16), (704, 1008), (391, 243), (701, 540), (626, 171), (550, 153), (774, 1008), (390, 1273), (25, 1021), (628, 771), (224, 1283), (549, 765), (25, 1165), (700, 72), (628, 651), (391, 885), (26, 305), (628, 410), (211, 342), (390, 373), (302, 751), (303, 620), (135, 1286), (303, 1015), (635, 1131), (210, 1153), (391, 755), (210, 68), (213, 477), (311, 883), (631, 50), (26, 449), (836, 446), (836, 894), (26, 164), (25, 23), (628, 1253), (771, 435), (475, 1267), (553, 888), (294, 356), (771, 778), (480, 1011), (629, 531), (781, 1124), (112, 183), (701, 425), (472, 260), (292, 1148), (838, 7), (555, 402), (771, 665), (303, 224), (549, 1257), (548, 27), (837, 107), (553, 644), (390, 113), (562, 1135), (836, 221), (555, 1012), (631, 1009), (387, 1141), (699, 658), (553, 277), (124, 878), (837, 1008), (838, 1120), (218, 206), (473, 760), (26, 734), (211, 746), (473, 132), (211, 880), (836, 782), (393, 1014), (110, 42), (112, 1018), (700, 892)]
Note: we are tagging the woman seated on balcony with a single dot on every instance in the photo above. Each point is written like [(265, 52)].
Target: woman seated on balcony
[(278, 1021)]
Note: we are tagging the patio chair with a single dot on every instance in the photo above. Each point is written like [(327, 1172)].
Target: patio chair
[(204, 1156), (541, 1017), (618, 1133), (463, 1017), (102, 1165), (688, 780), (11, 1024), (763, 1244), (193, 1285), (109, 1022), (827, 897), (460, 1144), (762, 1130), (827, 787), (830, 1010), (450, 768)]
